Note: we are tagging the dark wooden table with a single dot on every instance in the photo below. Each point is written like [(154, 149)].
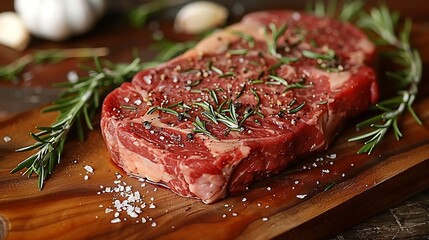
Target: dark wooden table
[(408, 219)]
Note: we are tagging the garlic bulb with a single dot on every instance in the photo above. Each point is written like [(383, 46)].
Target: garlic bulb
[(197, 17), (59, 19), (13, 32)]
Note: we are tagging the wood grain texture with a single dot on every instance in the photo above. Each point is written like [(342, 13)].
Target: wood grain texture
[(70, 208)]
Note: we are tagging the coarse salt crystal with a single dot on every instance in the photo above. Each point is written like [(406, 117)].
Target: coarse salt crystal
[(27, 76), (7, 139), (234, 214), (138, 102), (301, 196), (153, 224), (264, 219), (133, 214), (244, 199), (138, 210), (72, 76), (148, 79), (143, 220), (115, 220), (296, 16), (89, 169), (86, 177)]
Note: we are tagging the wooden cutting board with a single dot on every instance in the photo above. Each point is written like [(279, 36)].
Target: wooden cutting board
[(313, 199), (301, 203)]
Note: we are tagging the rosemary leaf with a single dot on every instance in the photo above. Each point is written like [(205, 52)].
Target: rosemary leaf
[(12, 70), (329, 55), (140, 15), (296, 109), (382, 22), (72, 106), (249, 38)]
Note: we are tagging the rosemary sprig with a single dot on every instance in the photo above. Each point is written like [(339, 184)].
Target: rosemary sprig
[(271, 40), (12, 70), (200, 127), (344, 11), (142, 13), (77, 106), (382, 22), (276, 80), (168, 50), (227, 116)]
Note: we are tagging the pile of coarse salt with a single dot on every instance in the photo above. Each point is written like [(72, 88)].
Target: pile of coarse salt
[(127, 203)]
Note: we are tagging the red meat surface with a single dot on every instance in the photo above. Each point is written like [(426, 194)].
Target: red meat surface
[(261, 102)]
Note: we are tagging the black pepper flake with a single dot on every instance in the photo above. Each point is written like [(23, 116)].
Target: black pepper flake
[(238, 105), (180, 117), (190, 136), (281, 114), (147, 125)]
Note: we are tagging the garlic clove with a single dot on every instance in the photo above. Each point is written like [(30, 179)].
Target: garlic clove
[(58, 20), (13, 32), (197, 17)]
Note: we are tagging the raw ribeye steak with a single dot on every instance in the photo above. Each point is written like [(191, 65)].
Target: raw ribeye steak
[(242, 105)]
